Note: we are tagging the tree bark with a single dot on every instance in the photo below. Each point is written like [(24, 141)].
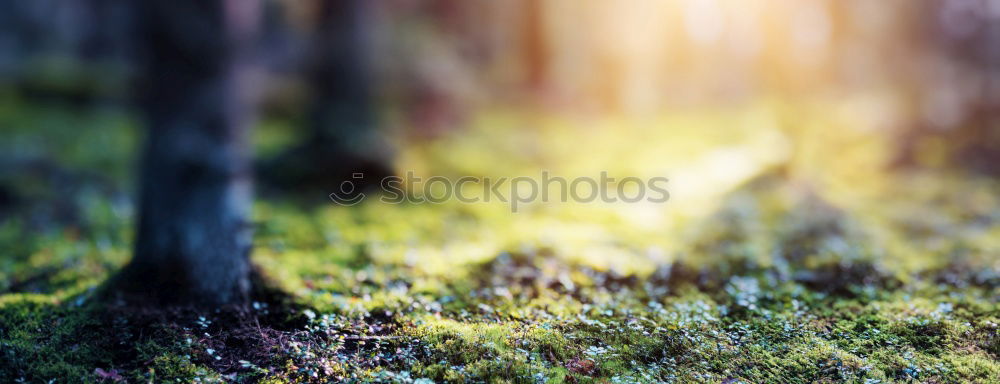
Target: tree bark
[(194, 239)]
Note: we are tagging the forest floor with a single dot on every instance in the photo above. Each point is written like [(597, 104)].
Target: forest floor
[(814, 264)]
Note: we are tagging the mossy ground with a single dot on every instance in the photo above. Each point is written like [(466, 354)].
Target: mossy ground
[(817, 264)]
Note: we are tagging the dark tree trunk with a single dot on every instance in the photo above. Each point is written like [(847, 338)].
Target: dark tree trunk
[(342, 136), (342, 106), (194, 238)]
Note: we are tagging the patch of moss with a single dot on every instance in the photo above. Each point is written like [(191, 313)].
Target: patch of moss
[(771, 280)]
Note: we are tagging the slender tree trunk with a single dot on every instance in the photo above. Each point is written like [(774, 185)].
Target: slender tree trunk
[(342, 107), (535, 47), (343, 139), (194, 238)]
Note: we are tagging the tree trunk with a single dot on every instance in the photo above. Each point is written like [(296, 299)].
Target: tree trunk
[(342, 107), (194, 238), (342, 140), (535, 48)]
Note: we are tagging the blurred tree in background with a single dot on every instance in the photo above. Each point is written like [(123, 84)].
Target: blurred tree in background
[(959, 97), (341, 120)]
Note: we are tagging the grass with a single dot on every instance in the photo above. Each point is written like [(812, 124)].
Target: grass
[(811, 264)]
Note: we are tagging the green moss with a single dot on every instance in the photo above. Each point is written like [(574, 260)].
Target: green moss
[(44, 338), (768, 279)]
